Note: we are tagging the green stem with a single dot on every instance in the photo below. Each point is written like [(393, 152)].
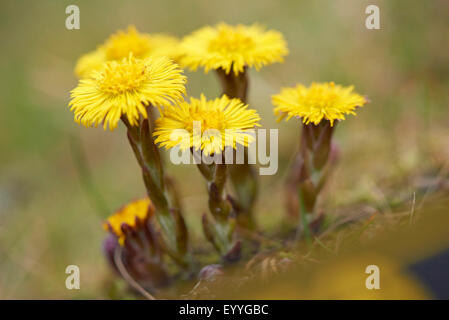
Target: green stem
[(220, 230), (220, 177), (169, 219), (243, 176)]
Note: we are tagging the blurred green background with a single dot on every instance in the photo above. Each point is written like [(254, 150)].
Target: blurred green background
[(48, 218)]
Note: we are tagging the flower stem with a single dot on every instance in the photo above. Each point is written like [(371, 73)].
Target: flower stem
[(220, 230), (242, 176), (309, 173), (169, 218)]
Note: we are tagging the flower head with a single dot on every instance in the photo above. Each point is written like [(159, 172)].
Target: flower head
[(132, 215), (209, 125), (232, 48), (320, 101), (126, 88), (122, 43), (141, 45)]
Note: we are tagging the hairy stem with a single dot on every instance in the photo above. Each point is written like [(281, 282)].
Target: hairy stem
[(243, 176), (169, 219)]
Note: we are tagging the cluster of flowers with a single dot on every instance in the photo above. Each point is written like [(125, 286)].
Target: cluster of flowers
[(137, 79)]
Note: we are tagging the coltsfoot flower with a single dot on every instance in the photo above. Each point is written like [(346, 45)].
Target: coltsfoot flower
[(141, 45), (211, 125), (230, 51), (319, 106), (126, 88), (132, 215), (320, 101), (122, 43), (133, 240), (232, 48)]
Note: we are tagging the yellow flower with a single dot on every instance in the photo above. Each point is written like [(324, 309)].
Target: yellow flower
[(133, 214), (232, 48), (319, 101), (209, 125), (120, 44), (141, 45), (126, 88)]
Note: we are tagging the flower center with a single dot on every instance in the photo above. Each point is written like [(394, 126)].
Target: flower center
[(126, 76), (230, 40), (209, 119), (320, 98)]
